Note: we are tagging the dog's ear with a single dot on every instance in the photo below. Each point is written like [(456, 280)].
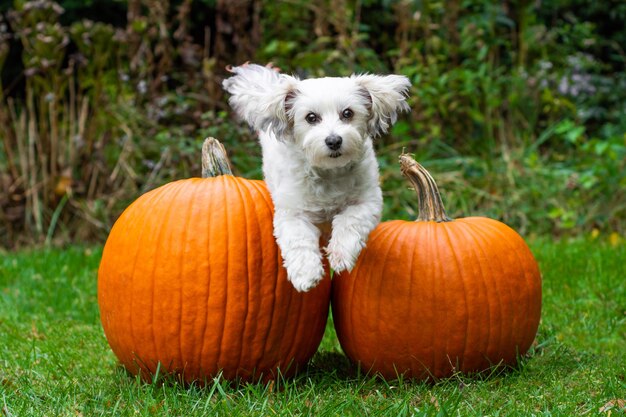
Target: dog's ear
[(262, 97), (387, 96)]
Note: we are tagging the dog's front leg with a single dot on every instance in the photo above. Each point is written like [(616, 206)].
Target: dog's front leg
[(351, 229), (298, 240)]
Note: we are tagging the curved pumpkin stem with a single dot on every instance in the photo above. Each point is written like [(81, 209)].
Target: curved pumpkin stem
[(214, 159), (428, 197)]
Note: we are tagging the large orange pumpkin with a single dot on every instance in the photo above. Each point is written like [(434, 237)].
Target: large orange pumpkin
[(191, 282), (437, 296)]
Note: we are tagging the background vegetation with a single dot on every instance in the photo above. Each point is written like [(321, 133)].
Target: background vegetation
[(518, 107)]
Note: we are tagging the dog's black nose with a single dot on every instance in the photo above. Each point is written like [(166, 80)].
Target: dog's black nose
[(333, 142)]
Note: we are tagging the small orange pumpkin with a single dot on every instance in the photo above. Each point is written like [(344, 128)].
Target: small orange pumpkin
[(436, 296), (191, 281)]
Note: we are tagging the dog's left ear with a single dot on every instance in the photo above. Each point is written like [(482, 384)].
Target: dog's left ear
[(387, 96)]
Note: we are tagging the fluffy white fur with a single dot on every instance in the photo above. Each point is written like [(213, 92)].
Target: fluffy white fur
[(313, 176)]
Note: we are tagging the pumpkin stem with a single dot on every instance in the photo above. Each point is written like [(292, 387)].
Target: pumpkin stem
[(428, 197), (214, 159)]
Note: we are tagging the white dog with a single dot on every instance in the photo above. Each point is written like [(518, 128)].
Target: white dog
[(318, 158)]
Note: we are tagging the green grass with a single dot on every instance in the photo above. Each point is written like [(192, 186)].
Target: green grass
[(55, 361)]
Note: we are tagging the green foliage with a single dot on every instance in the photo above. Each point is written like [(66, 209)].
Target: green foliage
[(518, 108), (513, 106), (95, 126), (54, 358), (537, 191)]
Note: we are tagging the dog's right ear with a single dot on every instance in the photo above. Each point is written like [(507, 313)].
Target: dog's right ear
[(387, 96), (262, 96)]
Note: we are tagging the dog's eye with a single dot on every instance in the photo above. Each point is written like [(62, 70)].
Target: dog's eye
[(312, 118), (347, 114)]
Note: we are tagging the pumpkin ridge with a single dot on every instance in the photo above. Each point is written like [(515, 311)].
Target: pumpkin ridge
[(348, 313), (210, 282), (465, 227), (150, 196), (310, 332), (252, 193), (529, 325), (284, 347), (190, 205), (461, 273), (173, 190), (383, 266), (506, 297), (416, 239), (225, 280), (159, 247), (519, 340), (207, 230), (201, 351), (316, 337), (280, 284), (135, 338), (256, 194), (170, 188), (411, 303), (244, 254), (129, 333), (469, 233), (498, 294), (437, 280), (233, 287), (262, 190), (512, 301), (291, 354), (410, 240)]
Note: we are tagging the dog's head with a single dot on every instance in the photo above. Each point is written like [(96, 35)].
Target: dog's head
[(330, 119)]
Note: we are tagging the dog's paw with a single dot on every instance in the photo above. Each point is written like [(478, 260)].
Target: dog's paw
[(306, 273), (342, 257)]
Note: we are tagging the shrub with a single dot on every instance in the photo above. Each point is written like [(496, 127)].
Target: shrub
[(523, 101)]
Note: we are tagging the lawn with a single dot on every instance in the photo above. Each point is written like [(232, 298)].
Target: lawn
[(55, 361)]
